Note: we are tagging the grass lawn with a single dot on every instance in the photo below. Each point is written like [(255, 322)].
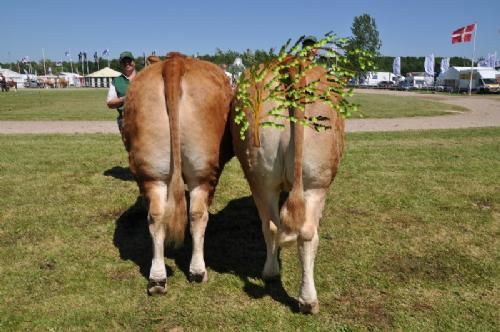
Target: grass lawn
[(388, 106), (409, 241), (55, 104), (89, 104)]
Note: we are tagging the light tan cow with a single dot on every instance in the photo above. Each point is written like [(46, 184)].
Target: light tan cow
[(302, 161), (175, 132)]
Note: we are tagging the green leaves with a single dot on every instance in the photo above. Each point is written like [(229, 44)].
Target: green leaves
[(281, 82)]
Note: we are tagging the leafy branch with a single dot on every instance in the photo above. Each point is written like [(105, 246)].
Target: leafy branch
[(283, 82)]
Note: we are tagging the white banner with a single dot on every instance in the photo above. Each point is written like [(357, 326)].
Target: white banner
[(396, 66), (492, 59), (429, 65), (445, 64)]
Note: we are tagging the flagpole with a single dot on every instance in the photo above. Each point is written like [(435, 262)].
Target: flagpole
[(44, 68), (70, 61), (82, 63), (472, 62)]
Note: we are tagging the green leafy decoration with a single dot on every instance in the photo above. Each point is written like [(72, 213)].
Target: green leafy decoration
[(288, 90)]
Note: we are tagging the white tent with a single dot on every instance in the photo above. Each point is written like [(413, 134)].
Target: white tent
[(12, 75), (101, 78), (72, 79)]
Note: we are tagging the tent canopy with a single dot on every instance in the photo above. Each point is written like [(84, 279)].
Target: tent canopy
[(105, 72), (9, 73)]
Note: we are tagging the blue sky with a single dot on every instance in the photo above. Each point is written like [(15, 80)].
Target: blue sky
[(407, 28)]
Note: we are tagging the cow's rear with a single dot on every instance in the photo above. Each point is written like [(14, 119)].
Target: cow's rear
[(299, 160), (174, 131)]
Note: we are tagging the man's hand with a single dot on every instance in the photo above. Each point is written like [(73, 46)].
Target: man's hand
[(116, 102)]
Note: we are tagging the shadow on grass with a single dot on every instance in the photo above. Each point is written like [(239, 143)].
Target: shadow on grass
[(120, 173), (234, 244)]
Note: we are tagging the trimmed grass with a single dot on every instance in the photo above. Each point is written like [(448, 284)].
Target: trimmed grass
[(55, 104), (89, 104), (408, 241), (388, 106)]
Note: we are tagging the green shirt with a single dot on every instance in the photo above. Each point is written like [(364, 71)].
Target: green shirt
[(121, 84)]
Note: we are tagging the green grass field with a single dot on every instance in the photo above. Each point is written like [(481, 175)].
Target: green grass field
[(389, 106), (89, 104), (55, 104), (409, 241)]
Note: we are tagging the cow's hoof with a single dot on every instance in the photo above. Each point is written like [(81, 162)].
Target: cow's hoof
[(309, 308), (198, 277), (271, 277), (157, 287)]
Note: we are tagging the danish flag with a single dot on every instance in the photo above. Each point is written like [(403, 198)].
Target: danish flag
[(463, 34)]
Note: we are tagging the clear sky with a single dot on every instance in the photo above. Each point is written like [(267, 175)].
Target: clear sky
[(407, 28)]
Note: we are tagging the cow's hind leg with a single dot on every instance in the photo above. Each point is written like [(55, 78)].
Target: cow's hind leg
[(314, 202), (267, 202), (198, 212), (156, 194)]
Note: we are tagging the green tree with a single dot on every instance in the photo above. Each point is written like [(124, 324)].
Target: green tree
[(365, 35), (365, 38)]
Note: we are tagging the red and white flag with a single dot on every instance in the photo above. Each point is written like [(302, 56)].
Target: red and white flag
[(463, 34)]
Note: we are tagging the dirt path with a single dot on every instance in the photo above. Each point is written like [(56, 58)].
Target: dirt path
[(484, 112)]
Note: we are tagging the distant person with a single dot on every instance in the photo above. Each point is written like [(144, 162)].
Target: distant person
[(228, 74), (317, 54), (309, 41), (119, 86), (3, 83), (236, 69)]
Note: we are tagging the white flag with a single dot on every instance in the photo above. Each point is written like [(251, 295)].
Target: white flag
[(396, 66), (492, 59), (483, 62), (445, 64), (429, 65)]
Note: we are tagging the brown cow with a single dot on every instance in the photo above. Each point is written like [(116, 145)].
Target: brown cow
[(299, 159), (174, 130)]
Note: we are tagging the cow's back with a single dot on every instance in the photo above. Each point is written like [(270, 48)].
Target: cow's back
[(272, 161), (175, 133), (203, 112)]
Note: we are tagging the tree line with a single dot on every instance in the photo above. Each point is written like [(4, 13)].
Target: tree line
[(249, 57), (365, 36)]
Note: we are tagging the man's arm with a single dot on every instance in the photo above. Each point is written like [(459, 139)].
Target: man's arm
[(112, 100)]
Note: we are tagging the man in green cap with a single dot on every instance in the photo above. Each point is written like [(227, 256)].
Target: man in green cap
[(309, 41), (119, 86)]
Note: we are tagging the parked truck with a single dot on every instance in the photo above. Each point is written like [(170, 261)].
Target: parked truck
[(373, 79), (484, 80)]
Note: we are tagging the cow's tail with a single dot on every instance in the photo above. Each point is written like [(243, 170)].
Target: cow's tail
[(292, 214), (176, 214)]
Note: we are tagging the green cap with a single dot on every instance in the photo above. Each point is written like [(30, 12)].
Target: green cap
[(126, 55)]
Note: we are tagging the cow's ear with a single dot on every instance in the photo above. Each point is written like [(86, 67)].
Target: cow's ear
[(153, 59)]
